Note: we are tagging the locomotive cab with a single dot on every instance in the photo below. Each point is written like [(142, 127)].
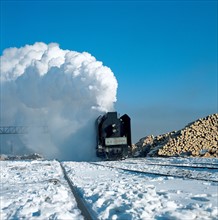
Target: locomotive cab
[(113, 136)]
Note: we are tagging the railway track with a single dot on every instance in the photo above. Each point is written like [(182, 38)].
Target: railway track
[(87, 213), (194, 163), (199, 166), (185, 174)]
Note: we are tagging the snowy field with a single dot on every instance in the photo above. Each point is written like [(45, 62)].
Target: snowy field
[(35, 190), (38, 189)]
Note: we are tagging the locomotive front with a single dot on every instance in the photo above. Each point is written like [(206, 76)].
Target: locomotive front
[(113, 136)]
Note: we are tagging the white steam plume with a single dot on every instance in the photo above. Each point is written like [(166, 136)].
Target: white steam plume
[(65, 90)]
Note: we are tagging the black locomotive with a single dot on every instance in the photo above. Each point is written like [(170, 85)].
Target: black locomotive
[(113, 136)]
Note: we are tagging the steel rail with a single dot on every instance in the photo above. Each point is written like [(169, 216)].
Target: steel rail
[(155, 173), (200, 163), (87, 213), (184, 166)]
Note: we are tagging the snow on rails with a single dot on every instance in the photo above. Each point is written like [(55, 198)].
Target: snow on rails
[(118, 194), (83, 190)]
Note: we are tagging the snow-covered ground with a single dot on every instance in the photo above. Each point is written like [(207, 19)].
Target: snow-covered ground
[(38, 190), (181, 167), (35, 190)]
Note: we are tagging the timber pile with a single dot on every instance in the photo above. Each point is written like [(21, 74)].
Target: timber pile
[(197, 139)]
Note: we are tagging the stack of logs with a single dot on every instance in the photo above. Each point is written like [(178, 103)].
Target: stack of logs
[(198, 139)]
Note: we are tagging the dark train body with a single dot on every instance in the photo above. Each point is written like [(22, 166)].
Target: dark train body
[(113, 136)]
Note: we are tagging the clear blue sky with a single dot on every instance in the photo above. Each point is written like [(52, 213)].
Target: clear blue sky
[(163, 53)]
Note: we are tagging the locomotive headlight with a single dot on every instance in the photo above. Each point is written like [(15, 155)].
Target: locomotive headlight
[(114, 128)]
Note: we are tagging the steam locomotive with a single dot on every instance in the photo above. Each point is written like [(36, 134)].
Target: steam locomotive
[(113, 136)]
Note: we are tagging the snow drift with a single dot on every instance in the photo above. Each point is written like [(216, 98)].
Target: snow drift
[(43, 85)]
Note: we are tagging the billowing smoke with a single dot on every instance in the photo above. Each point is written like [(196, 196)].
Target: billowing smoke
[(63, 90)]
